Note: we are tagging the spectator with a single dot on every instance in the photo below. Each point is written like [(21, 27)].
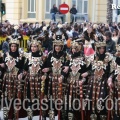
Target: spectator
[(113, 27), (31, 29), (89, 41), (115, 35), (4, 28), (69, 32), (102, 30), (81, 28), (107, 28), (118, 42), (73, 12), (5, 46), (47, 42), (15, 33), (53, 12), (48, 27), (110, 44), (36, 28), (25, 28), (43, 24), (62, 16), (75, 32), (36, 25), (7, 22)]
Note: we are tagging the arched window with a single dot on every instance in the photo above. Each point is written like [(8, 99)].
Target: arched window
[(31, 8)]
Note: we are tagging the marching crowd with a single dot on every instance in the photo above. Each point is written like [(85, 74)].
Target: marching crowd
[(75, 64)]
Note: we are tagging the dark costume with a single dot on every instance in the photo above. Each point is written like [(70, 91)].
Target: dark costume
[(56, 89), (12, 86), (34, 84), (76, 90), (115, 67), (2, 70), (97, 91)]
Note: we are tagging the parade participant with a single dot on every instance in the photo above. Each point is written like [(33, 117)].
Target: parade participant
[(77, 80), (12, 84), (97, 91), (115, 81), (2, 70), (34, 81), (57, 69)]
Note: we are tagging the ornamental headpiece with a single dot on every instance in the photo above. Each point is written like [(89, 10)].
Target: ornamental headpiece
[(100, 44), (58, 42), (76, 45), (14, 41), (34, 41), (37, 43)]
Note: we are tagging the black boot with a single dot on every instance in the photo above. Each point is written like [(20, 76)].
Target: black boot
[(64, 114), (30, 113), (70, 116), (43, 115), (103, 117), (51, 115), (93, 117), (5, 113)]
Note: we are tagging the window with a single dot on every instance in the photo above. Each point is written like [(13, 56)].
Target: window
[(49, 4), (74, 2), (82, 6), (31, 8), (85, 6)]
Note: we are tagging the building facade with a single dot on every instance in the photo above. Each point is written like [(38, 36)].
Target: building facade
[(38, 10), (116, 17)]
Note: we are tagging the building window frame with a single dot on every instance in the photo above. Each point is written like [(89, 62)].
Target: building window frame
[(31, 11), (50, 6), (83, 2)]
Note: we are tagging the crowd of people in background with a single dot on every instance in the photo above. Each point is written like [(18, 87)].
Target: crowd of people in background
[(44, 33)]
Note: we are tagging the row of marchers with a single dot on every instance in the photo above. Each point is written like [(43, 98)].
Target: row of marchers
[(70, 79)]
